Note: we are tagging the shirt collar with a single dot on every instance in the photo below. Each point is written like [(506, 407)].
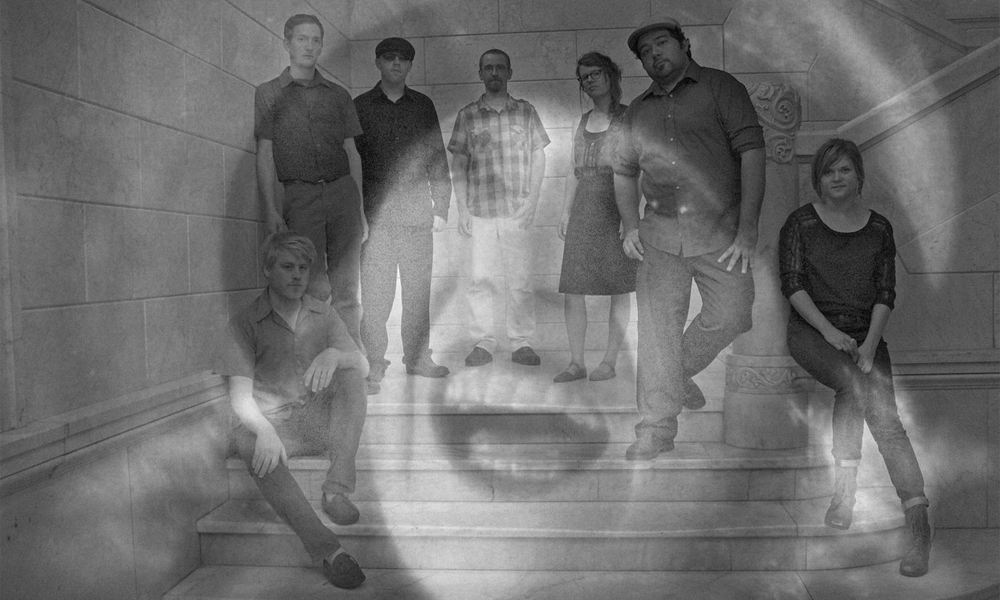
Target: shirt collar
[(510, 104), (262, 305), (693, 73), (286, 79), (407, 92)]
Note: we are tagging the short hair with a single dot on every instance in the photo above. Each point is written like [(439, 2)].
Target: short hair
[(610, 68), (296, 244), (494, 51), (832, 151), (300, 19), (676, 33)]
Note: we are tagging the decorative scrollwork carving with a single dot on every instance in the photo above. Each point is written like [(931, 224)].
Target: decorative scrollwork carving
[(745, 377), (779, 110)]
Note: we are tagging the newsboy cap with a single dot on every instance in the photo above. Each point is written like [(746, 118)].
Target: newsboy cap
[(395, 44), (653, 23)]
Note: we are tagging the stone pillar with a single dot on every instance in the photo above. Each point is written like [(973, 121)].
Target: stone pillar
[(762, 406)]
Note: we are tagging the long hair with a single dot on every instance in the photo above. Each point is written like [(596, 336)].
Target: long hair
[(832, 151), (610, 68)]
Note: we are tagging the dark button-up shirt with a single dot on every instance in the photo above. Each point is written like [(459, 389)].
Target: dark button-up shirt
[(404, 165), (687, 144), (499, 147), (259, 344), (307, 124)]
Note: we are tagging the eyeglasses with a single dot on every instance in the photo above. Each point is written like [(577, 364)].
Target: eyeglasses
[(590, 77)]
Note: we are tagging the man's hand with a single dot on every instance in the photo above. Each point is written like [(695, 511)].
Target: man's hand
[(525, 215), (465, 223), (865, 357), (632, 245), (563, 226), (439, 224), (741, 249), (268, 451), (841, 341), (321, 371), (275, 223)]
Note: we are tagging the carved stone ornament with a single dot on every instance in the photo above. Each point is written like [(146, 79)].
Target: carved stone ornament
[(761, 377), (780, 112)]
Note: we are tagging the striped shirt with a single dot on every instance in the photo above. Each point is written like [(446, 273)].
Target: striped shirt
[(498, 146)]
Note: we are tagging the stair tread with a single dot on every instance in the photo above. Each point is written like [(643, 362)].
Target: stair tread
[(691, 455), (963, 566), (877, 510)]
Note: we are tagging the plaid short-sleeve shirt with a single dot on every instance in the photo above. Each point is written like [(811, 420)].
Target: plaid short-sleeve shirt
[(499, 147)]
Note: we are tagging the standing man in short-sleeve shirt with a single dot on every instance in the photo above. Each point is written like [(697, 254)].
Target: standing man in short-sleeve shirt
[(498, 148), (695, 138), (305, 127)]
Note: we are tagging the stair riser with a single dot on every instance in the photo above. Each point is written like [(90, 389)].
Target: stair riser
[(528, 428), (571, 554), (696, 485)]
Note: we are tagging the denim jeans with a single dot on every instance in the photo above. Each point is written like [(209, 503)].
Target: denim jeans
[(411, 249), (860, 398), (667, 354), (331, 423)]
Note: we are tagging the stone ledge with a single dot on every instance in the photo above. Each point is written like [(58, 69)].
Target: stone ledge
[(38, 450)]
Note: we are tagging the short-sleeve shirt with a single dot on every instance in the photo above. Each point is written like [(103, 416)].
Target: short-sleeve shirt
[(845, 273), (498, 146), (403, 162), (307, 123), (687, 144), (260, 345)]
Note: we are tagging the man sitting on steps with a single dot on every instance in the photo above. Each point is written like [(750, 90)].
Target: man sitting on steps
[(297, 386)]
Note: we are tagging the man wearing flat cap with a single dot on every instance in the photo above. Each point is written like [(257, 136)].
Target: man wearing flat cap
[(695, 138), (305, 127), (407, 190)]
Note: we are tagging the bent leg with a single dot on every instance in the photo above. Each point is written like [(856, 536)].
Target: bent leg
[(726, 311), (285, 496), (347, 404)]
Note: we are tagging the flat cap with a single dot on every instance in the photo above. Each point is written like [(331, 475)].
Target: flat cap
[(651, 24), (395, 44)]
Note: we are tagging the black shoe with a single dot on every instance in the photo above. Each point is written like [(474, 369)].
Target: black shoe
[(478, 357), (525, 356), (693, 396), (647, 447), (372, 387), (425, 367), (344, 572), (340, 509)]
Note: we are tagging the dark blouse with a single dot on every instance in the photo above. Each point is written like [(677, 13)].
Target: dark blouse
[(845, 274)]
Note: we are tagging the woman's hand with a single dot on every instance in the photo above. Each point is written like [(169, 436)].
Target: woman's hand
[(563, 225), (865, 357), (843, 342)]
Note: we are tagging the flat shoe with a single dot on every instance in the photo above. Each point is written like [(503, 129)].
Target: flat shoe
[(344, 572), (603, 372), (572, 373), (340, 509)]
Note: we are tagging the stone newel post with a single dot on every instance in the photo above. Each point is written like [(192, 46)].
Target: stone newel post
[(762, 407)]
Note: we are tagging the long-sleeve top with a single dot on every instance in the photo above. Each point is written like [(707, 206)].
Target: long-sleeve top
[(845, 273), (403, 161)]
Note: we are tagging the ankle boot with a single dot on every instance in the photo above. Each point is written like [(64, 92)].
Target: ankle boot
[(915, 563), (841, 511)]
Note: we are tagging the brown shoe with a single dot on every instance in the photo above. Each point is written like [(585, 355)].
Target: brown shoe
[(344, 572), (340, 509)]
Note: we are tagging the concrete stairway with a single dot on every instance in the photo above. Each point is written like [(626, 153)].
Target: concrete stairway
[(496, 474)]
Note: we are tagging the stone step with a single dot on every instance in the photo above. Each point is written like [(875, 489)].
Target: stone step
[(577, 536), (963, 565), (566, 472)]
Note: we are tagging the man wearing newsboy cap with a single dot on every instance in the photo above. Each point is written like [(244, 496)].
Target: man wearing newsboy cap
[(695, 138)]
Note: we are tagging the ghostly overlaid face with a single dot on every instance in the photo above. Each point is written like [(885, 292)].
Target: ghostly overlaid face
[(495, 72), (288, 276)]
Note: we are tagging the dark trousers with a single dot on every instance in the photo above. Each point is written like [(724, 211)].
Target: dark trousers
[(667, 354), (411, 250), (860, 398), (331, 423), (329, 214)]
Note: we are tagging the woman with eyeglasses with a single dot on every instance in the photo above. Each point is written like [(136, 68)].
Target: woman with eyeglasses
[(594, 263), (838, 270)]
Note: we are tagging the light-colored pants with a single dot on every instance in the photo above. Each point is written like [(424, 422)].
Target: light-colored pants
[(498, 246)]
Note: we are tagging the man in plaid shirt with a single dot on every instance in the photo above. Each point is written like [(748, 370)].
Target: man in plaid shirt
[(498, 148)]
